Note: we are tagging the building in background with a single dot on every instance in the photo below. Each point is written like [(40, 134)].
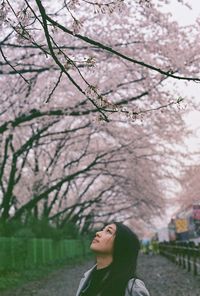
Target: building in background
[(196, 219), (184, 226), (187, 222), (172, 230)]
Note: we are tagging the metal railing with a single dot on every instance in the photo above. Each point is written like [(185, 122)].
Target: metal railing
[(184, 254)]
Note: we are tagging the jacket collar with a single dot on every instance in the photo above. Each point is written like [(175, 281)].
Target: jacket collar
[(84, 280)]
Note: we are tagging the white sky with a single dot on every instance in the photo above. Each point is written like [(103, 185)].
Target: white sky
[(183, 14)]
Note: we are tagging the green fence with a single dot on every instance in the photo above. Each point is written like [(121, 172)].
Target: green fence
[(16, 253)]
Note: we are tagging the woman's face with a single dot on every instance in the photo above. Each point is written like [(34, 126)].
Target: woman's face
[(104, 240)]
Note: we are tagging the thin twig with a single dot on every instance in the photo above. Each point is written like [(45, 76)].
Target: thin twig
[(6, 60), (55, 86)]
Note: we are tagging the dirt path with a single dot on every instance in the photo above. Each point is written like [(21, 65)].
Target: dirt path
[(162, 278)]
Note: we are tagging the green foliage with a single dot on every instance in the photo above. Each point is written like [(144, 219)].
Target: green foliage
[(43, 229), (8, 229), (70, 230), (24, 232), (38, 228)]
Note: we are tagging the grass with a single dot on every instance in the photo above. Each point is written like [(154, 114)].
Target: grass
[(10, 279)]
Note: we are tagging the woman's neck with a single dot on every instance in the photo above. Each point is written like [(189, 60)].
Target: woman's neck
[(103, 261)]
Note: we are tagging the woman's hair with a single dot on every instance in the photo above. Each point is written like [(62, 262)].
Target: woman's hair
[(123, 268)]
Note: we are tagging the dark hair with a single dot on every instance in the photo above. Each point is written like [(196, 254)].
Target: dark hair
[(123, 268)]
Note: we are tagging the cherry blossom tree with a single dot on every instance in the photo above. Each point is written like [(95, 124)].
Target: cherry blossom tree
[(85, 115), (189, 192), (143, 51)]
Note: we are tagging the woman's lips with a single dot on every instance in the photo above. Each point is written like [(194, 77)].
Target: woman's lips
[(95, 240)]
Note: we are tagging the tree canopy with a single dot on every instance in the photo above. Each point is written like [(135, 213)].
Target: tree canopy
[(85, 118)]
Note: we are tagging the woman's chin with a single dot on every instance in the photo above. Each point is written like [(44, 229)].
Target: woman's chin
[(93, 247)]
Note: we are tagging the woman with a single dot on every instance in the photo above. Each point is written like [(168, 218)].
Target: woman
[(116, 248)]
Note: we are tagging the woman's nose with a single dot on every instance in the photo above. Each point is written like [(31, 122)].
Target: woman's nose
[(98, 233)]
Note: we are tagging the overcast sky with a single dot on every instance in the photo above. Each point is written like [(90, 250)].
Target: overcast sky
[(183, 14)]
